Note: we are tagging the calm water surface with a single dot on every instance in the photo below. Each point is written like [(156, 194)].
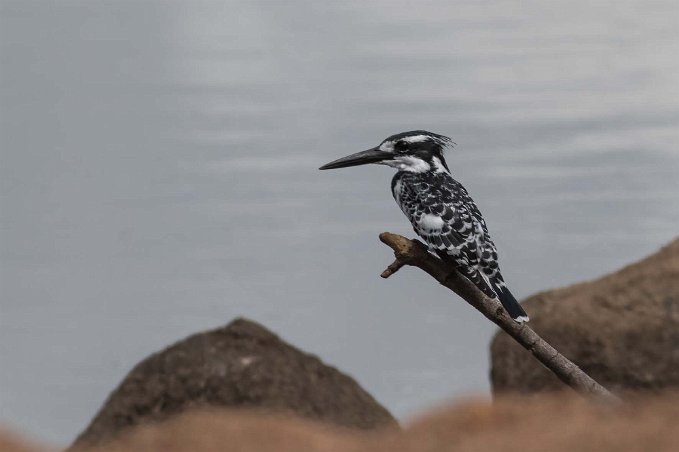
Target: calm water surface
[(159, 177)]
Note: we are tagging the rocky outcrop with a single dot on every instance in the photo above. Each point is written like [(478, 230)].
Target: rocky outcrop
[(240, 365), (622, 329), (555, 423), (12, 442)]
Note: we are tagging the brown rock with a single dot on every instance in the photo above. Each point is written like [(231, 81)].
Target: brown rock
[(621, 329), (240, 365), (555, 423), (12, 442)]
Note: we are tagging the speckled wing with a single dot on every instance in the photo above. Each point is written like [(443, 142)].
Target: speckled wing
[(443, 214), (436, 209)]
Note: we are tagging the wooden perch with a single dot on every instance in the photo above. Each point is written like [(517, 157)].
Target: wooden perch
[(413, 252)]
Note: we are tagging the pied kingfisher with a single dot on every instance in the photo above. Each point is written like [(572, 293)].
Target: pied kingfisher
[(440, 209)]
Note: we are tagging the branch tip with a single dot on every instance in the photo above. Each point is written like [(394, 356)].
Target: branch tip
[(392, 268)]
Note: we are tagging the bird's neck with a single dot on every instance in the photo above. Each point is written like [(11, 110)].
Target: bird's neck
[(430, 177), (440, 162), (418, 165)]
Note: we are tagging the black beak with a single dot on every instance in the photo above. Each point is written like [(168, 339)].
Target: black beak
[(373, 155)]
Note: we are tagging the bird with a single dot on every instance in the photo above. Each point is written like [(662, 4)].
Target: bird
[(440, 209)]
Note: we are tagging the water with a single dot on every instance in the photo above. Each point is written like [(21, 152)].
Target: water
[(159, 178)]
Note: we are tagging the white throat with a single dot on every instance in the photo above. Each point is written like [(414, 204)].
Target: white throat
[(409, 163)]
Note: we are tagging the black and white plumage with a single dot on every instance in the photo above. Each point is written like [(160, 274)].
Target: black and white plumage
[(440, 210)]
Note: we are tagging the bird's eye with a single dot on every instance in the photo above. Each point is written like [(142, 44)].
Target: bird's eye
[(400, 146)]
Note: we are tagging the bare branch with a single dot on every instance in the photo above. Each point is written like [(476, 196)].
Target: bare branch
[(414, 253), (392, 268)]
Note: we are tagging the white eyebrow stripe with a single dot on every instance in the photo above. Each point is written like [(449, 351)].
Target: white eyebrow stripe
[(416, 138)]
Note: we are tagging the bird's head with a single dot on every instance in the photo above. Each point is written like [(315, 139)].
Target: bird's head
[(417, 151)]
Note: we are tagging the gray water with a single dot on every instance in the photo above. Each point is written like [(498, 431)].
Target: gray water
[(159, 177)]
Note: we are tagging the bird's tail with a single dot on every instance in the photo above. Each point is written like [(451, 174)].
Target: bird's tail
[(510, 304)]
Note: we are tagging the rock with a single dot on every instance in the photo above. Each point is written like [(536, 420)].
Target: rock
[(13, 442), (554, 423), (622, 329), (239, 365)]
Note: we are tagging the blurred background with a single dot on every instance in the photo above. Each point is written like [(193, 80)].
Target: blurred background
[(159, 177)]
